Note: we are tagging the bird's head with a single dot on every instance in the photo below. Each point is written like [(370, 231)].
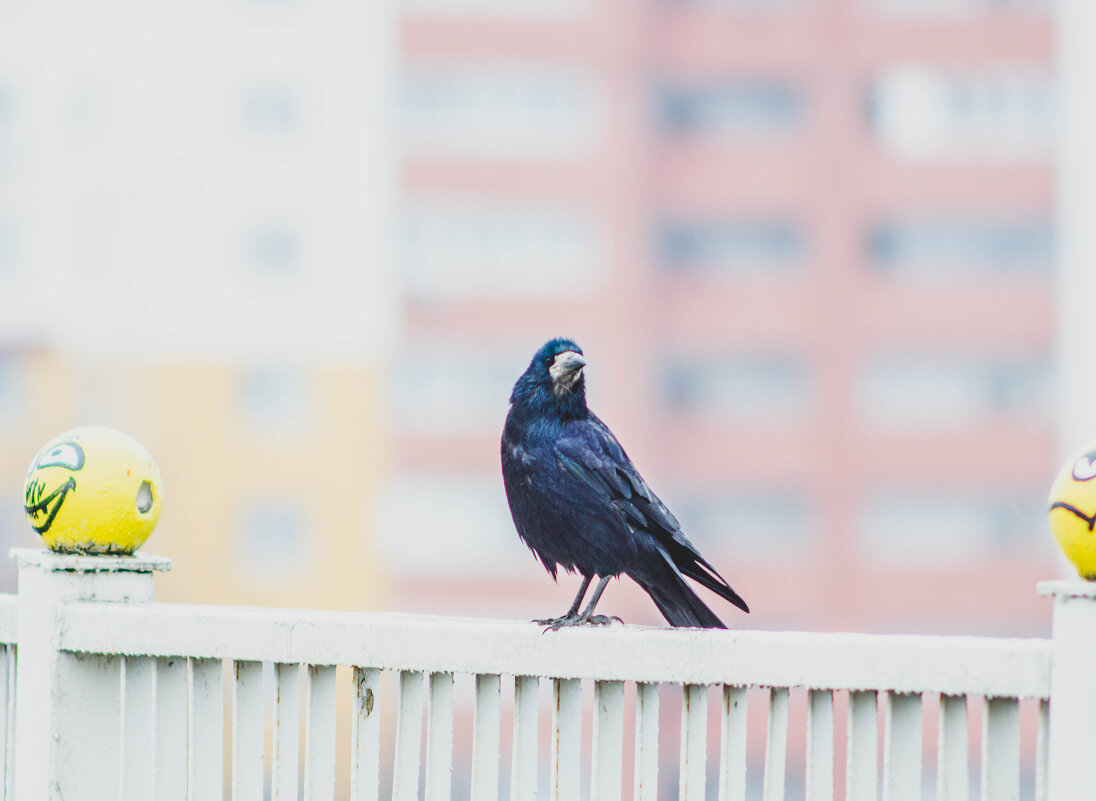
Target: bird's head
[(554, 380)]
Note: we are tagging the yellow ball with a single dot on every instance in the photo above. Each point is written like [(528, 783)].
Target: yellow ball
[(1073, 511), (93, 490)]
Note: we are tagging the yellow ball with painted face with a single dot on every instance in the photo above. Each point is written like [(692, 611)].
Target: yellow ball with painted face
[(1072, 511), (93, 490)]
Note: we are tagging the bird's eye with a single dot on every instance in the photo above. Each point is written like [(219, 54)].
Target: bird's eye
[(548, 360)]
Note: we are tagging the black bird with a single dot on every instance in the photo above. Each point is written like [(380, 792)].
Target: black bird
[(579, 503)]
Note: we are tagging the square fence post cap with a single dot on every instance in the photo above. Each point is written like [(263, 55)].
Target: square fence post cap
[(1067, 588), (47, 560)]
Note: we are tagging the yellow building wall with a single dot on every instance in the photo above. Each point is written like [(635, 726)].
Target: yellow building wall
[(224, 465)]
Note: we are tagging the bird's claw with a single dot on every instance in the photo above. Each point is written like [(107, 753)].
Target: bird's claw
[(603, 620), (568, 621)]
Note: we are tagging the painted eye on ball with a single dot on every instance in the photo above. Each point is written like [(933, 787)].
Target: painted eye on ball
[(64, 454), (1084, 469)]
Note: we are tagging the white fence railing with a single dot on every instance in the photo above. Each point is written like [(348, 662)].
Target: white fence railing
[(118, 697)]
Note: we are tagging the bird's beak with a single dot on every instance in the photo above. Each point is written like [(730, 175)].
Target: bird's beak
[(566, 366), (568, 362)]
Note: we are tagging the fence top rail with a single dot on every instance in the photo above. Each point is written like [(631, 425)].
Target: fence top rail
[(998, 667)]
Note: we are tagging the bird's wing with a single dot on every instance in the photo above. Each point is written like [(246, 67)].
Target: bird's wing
[(589, 452)]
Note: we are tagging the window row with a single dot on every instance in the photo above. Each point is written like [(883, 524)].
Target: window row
[(915, 111), (454, 248), (547, 9), (941, 392), (457, 248), (462, 524), (277, 401)]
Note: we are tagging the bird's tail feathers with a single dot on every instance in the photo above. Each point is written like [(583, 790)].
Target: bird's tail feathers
[(703, 573), (675, 599)]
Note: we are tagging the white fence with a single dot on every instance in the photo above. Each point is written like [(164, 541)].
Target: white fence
[(113, 696)]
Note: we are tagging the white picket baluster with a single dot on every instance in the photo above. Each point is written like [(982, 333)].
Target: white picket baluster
[(1001, 750), (523, 769), (439, 738), (7, 670), (9, 723), (405, 772), (776, 745), (286, 739), (1041, 751), (732, 738), (902, 748), (608, 736), (862, 771), (566, 739), (170, 730), (486, 738), (694, 741), (319, 734), (247, 731), (646, 756), (952, 750), (819, 745), (136, 716), (365, 737), (205, 732)]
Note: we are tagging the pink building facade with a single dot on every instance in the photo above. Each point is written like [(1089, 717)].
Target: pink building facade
[(808, 249)]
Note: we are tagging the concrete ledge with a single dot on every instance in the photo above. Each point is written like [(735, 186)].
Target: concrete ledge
[(1067, 588), (80, 563)]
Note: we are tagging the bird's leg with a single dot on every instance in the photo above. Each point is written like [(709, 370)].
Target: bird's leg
[(579, 596), (572, 618), (572, 613), (588, 615)]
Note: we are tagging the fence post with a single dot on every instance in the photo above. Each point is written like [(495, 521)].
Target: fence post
[(1072, 736), (67, 705)]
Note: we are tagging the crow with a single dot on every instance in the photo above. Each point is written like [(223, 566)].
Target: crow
[(579, 503)]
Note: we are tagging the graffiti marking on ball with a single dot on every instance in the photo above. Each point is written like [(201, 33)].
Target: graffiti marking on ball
[(41, 504)]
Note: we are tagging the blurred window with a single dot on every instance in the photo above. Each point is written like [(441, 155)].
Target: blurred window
[(8, 257), (736, 390), (538, 9), (743, 109), (911, 527), (953, 7), (755, 523), (276, 401), (740, 5), (7, 133), (273, 538), (270, 111), (956, 248), (948, 391), (1004, 113), (460, 248), (447, 525), (273, 251), (498, 111), (11, 394), (455, 388), (731, 247)]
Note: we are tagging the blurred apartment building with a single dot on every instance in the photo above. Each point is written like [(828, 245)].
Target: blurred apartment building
[(186, 254), (807, 246)]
